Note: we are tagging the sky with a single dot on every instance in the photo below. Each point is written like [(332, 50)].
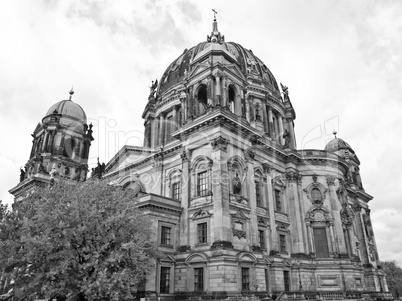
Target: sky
[(341, 60)]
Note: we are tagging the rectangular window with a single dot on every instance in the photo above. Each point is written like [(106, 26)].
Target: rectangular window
[(202, 183), (176, 191), (321, 242), (261, 238), (282, 243), (245, 279), (199, 279), (258, 194), (165, 280), (202, 233), (278, 202), (166, 235)]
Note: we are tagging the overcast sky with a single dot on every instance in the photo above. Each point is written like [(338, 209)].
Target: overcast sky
[(341, 60)]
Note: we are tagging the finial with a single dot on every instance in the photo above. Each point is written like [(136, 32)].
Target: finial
[(215, 12), (334, 132), (71, 92)]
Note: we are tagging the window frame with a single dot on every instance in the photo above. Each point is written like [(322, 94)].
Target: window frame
[(204, 232), (261, 239), (204, 191), (245, 285), (163, 281), (176, 193), (198, 285), (283, 248), (278, 200), (161, 235)]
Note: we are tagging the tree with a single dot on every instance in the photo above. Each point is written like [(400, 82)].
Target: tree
[(79, 241), (393, 274)]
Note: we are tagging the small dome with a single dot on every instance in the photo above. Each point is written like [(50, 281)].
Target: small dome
[(337, 144), (68, 108)]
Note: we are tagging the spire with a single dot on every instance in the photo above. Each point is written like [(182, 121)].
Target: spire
[(215, 34), (334, 132), (71, 92)]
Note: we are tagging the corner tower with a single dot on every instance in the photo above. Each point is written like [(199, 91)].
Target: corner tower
[(60, 148)]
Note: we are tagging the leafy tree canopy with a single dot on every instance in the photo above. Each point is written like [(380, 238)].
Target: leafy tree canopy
[(393, 274), (82, 241)]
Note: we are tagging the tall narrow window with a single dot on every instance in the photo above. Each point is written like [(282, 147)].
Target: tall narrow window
[(202, 233), (258, 193), (199, 279), (165, 280), (321, 242), (231, 99), (261, 238), (166, 235), (245, 279), (282, 243), (278, 201), (176, 191), (202, 183)]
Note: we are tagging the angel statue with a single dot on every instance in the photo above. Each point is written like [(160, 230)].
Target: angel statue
[(285, 92), (153, 87)]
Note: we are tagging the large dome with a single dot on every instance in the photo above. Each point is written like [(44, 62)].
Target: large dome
[(337, 144), (70, 109), (244, 59)]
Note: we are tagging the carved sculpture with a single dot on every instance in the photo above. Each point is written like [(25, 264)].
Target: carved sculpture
[(286, 136), (236, 184)]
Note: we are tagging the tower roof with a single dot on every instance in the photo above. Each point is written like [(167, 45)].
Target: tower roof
[(68, 108), (337, 144)]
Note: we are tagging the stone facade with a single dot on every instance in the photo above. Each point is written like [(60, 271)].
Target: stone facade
[(237, 210)]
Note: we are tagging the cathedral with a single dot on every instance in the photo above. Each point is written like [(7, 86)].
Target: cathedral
[(237, 210)]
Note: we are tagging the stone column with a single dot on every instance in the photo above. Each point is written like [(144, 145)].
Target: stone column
[(190, 104), (280, 121), (44, 142), (271, 208), (271, 123), (335, 209), (185, 198), (292, 134), (220, 192), (238, 105), (210, 100), (155, 131), (183, 104), (175, 119), (218, 89), (249, 155), (265, 117), (225, 91), (294, 179), (248, 111), (161, 129)]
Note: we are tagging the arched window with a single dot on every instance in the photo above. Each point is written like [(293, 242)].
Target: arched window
[(201, 171), (202, 99), (232, 96)]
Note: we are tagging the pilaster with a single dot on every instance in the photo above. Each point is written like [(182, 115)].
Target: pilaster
[(293, 179), (220, 191)]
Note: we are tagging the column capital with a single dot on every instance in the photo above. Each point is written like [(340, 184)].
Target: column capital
[(330, 180), (219, 143), (249, 154), (293, 177), (267, 168)]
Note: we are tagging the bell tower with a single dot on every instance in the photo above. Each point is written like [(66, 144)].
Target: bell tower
[(60, 148)]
